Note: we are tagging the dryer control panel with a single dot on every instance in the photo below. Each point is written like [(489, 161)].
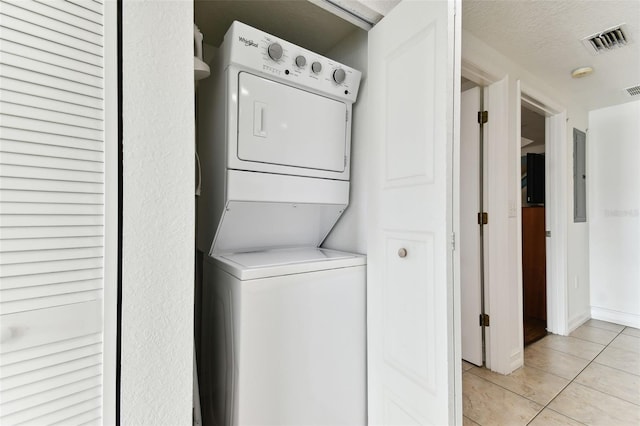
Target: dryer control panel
[(270, 55)]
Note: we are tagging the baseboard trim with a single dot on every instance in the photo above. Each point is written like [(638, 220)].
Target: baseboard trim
[(578, 320), (516, 360), (622, 318)]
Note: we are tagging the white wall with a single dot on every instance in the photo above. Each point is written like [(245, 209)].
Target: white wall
[(350, 233), (480, 56), (158, 213), (613, 182)]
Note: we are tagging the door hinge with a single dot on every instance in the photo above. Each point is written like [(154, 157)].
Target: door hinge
[(483, 117), (453, 241), (345, 161), (483, 218), (484, 320)]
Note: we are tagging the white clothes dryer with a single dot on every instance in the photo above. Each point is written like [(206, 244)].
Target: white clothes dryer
[(274, 139)]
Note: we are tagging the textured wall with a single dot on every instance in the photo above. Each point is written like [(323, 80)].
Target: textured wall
[(158, 213), (613, 182)]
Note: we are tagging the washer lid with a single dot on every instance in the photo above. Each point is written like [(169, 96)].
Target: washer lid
[(270, 263)]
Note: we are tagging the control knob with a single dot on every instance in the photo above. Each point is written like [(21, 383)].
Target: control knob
[(301, 61), (316, 67), (275, 51), (339, 75)]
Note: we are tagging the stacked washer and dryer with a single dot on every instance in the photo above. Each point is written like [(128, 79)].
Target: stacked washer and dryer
[(283, 321)]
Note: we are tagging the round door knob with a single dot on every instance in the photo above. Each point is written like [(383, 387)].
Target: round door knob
[(339, 75), (301, 61), (275, 51), (316, 67), (402, 252)]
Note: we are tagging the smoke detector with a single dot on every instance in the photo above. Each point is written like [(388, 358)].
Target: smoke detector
[(581, 72), (607, 40)]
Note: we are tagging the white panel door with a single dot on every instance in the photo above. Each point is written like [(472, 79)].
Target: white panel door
[(469, 235), (410, 302), (279, 124)]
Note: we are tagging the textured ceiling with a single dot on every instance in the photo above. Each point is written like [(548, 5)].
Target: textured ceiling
[(544, 37), (297, 21)]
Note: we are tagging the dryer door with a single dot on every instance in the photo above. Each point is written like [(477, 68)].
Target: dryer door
[(278, 124)]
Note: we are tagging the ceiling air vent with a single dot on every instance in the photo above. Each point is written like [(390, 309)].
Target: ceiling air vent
[(607, 40), (633, 91)]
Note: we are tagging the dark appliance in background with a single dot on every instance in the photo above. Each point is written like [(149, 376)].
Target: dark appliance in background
[(535, 178)]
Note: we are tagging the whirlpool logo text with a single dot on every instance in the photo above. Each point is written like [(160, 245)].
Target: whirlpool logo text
[(248, 42)]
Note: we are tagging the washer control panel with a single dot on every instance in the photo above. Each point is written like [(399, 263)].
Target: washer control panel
[(255, 49)]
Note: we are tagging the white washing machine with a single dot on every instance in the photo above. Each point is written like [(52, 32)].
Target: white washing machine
[(288, 338), (283, 321)]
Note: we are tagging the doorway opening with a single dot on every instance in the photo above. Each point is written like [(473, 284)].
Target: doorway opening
[(543, 217), (532, 186)]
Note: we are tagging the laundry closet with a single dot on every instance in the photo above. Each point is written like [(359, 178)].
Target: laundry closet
[(280, 313), (323, 290)]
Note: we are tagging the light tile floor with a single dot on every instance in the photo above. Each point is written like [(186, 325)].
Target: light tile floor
[(591, 377)]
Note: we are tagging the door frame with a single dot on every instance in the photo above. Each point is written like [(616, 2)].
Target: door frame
[(495, 95), (498, 357), (112, 281), (556, 205), (503, 354)]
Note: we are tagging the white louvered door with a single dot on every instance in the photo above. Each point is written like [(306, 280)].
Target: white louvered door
[(56, 360)]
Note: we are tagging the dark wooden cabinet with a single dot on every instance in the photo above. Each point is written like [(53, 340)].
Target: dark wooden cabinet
[(534, 276)]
